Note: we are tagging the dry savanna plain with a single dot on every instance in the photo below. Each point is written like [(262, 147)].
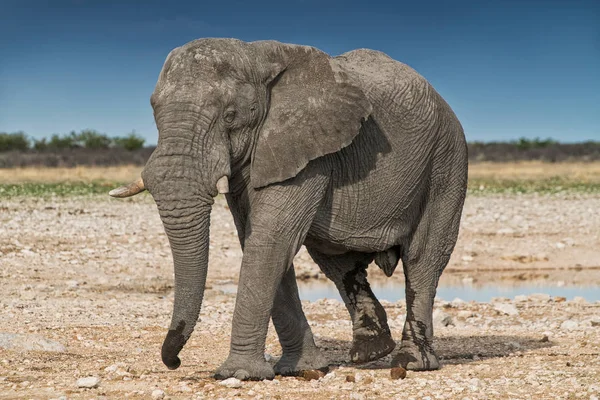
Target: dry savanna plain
[(87, 293)]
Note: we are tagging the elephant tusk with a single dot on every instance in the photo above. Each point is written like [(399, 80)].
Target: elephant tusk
[(223, 185), (133, 188)]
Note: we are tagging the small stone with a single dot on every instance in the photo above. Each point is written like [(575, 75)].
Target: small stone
[(544, 339), (398, 373), (569, 325), (233, 383), (457, 302), (158, 394), (560, 299), (579, 300), (520, 298), (541, 297), (89, 382), (368, 380), (29, 342), (506, 308), (312, 374), (467, 258), (440, 318), (350, 378), (514, 345)]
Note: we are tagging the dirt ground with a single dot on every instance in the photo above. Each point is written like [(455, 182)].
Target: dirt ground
[(87, 292)]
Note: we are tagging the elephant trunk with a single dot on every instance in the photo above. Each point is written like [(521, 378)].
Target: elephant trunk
[(187, 226)]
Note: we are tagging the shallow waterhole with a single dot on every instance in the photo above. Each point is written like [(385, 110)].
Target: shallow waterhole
[(393, 290)]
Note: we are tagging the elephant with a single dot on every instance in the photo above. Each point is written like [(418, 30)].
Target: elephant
[(356, 157)]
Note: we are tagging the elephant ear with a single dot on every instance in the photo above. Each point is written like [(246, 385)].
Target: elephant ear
[(314, 110)]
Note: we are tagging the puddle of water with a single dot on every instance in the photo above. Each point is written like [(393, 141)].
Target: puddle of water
[(394, 291)]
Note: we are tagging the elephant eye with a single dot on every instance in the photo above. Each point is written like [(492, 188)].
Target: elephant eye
[(229, 116)]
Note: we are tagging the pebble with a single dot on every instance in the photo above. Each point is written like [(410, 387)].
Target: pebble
[(233, 383), (442, 319), (506, 308), (29, 342), (89, 382), (397, 373), (541, 297), (158, 394), (350, 378), (569, 325), (312, 374)]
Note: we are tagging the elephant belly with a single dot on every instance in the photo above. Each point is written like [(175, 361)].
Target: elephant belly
[(366, 223)]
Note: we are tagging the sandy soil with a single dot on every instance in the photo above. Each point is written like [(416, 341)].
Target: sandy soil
[(90, 281)]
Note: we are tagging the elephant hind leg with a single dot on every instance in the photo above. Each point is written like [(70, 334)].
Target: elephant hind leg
[(295, 336), (426, 257), (372, 338)]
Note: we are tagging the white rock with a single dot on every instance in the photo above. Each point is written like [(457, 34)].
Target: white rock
[(29, 342), (542, 297), (440, 318), (569, 325), (467, 258), (506, 308), (457, 302), (158, 394), (505, 231), (233, 383), (520, 298), (579, 300), (89, 382)]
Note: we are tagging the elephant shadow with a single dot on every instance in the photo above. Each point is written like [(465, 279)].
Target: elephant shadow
[(451, 350)]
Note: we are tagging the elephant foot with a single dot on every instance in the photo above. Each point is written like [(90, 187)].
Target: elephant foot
[(415, 358), (372, 347), (245, 369), (294, 363)]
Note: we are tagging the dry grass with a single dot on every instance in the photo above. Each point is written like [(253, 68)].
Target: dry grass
[(536, 170), (75, 175), (528, 170)]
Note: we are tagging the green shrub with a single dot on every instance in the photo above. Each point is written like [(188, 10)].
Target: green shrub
[(91, 139), (130, 142), (58, 142), (17, 141)]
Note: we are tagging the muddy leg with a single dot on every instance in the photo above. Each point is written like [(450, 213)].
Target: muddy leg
[(295, 336), (371, 334)]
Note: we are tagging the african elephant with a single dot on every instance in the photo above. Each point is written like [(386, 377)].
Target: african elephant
[(356, 156)]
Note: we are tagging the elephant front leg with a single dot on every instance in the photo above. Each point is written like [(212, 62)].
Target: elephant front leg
[(371, 336), (295, 336), (262, 270), (277, 225)]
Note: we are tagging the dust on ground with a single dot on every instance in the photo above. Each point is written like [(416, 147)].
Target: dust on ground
[(89, 279)]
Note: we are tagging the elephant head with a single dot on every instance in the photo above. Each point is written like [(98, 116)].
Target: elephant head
[(221, 105)]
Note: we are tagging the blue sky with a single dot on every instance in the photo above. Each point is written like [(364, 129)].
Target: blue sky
[(508, 68)]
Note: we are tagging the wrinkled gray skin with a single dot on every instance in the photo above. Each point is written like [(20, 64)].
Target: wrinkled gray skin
[(356, 156)]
